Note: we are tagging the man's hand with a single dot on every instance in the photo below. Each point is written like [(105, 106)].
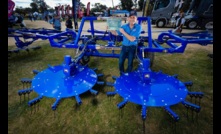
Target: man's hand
[(130, 38), (113, 32)]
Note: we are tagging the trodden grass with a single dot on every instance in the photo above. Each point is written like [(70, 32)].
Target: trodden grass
[(99, 114)]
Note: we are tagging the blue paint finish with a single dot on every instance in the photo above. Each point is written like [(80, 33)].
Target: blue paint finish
[(162, 90), (53, 82), (143, 86)]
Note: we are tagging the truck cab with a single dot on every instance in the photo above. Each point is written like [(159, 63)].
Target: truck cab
[(202, 16), (198, 13), (162, 12)]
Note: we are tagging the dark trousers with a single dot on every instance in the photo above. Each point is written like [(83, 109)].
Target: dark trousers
[(57, 28), (127, 52)]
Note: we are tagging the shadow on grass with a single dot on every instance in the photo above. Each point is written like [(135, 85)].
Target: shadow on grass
[(26, 56)]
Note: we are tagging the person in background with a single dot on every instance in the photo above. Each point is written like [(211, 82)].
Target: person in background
[(131, 32), (179, 23), (14, 19), (30, 16), (126, 17), (34, 16), (107, 12), (20, 20), (49, 18), (46, 18), (68, 22), (56, 22)]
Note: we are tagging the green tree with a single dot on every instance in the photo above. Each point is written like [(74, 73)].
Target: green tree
[(20, 10), (34, 7), (41, 5), (97, 7), (127, 4), (51, 10), (141, 4), (82, 5)]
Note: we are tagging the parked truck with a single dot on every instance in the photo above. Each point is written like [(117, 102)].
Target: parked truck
[(198, 13)]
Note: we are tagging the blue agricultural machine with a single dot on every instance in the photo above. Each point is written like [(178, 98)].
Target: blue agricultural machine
[(24, 37), (144, 87)]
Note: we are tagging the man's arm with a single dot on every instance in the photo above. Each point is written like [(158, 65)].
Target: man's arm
[(129, 37)]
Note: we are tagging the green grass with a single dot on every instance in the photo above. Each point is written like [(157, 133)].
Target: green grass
[(99, 114)]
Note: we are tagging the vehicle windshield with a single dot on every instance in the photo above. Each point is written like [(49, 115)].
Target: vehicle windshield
[(161, 4)]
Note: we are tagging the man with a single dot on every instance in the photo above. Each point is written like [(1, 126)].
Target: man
[(179, 23), (16, 18), (68, 22), (131, 32), (107, 12), (56, 22)]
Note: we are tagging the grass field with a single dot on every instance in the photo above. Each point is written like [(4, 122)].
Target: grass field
[(99, 114)]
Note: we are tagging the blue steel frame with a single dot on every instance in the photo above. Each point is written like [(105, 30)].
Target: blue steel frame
[(172, 43), (29, 34)]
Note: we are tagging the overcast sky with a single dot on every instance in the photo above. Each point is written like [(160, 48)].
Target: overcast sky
[(53, 3)]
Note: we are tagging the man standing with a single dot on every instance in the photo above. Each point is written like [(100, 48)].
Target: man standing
[(106, 12), (131, 32), (68, 22)]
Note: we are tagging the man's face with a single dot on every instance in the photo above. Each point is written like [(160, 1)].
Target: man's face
[(132, 19)]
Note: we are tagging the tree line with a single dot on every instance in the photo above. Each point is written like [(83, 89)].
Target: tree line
[(40, 6)]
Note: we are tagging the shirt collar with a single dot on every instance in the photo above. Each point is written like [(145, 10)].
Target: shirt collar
[(133, 26)]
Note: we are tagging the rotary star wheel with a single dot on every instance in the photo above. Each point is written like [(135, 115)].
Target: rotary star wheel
[(153, 89), (69, 79)]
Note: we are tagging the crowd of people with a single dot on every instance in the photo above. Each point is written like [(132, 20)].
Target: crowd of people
[(16, 18), (33, 16), (56, 22)]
